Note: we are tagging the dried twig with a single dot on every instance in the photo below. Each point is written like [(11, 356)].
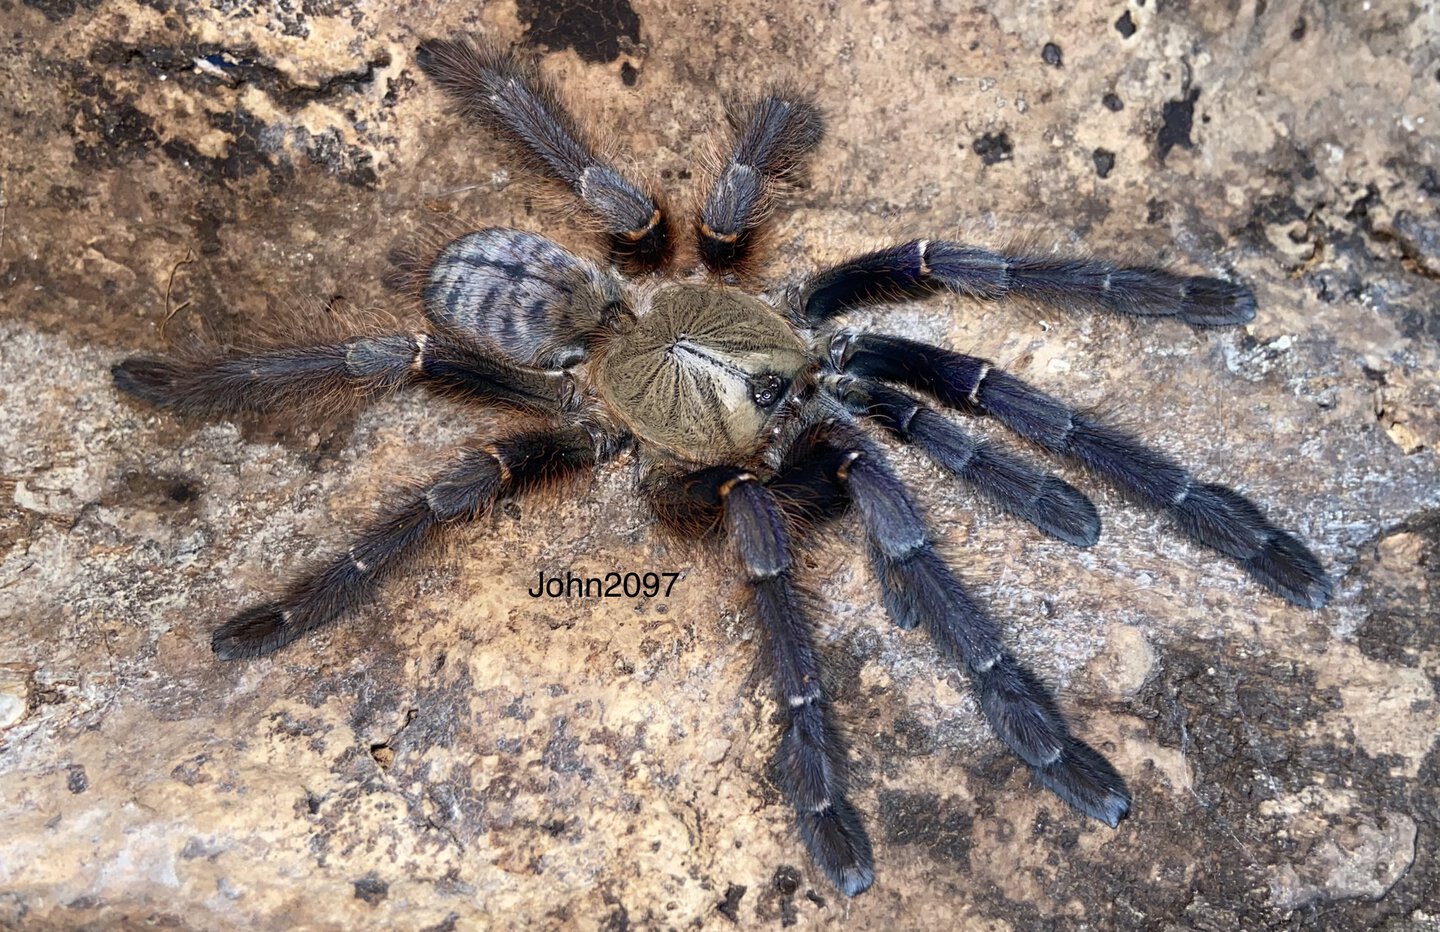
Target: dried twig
[(169, 285)]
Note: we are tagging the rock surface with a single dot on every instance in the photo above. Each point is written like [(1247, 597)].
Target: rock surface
[(463, 756)]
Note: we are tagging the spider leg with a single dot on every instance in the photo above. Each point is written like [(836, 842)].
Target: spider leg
[(772, 136), (925, 267), (812, 755), (686, 502), (811, 759), (1209, 514), (448, 364), (513, 465), (918, 588), (328, 375), (505, 93), (277, 379), (1048, 502)]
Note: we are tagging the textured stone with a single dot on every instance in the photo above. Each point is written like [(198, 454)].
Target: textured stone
[(463, 756), (1365, 860)]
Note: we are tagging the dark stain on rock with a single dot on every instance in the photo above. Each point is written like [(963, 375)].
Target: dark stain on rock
[(557, 827), (1125, 25), (1269, 210), (183, 492), (110, 131), (372, 889), (1104, 162), (562, 752), (1179, 120), (191, 771), (207, 219), (154, 490), (251, 149), (1234, 724), (1241, 728), (232, 67), (1359, 251), (595, 29), (783, 887), (993, 148), (449, 924), (350, 164), (444, 712), (197, 848), (619, 918), (1244, 729), (1418, 237), (57, 11), (518, 710), (907, 739), (1401, 627), (730, 906), (942, 827)]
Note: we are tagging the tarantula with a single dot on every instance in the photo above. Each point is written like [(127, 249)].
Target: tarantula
[(748, 419)]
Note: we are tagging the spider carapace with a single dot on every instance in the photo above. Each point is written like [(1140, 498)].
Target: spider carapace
[(751, 421)]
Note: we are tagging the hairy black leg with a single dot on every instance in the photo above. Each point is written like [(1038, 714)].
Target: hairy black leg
[(285, 378), (919, 589), (1046, 501), (773, 135), (925, 267), (513, 465), (526, 297), (506, 94), (1213, 515), (812, 756), (307, 378), (448, 364), (808, 484), (687, 502)]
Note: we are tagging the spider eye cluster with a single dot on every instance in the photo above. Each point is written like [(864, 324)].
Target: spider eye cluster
[(768, 389)]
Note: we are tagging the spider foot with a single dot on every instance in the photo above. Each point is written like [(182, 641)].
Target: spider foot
[(1087, 781), (1061, 511), (151, 380), (1287, 568), (1214, 302), (1222, 518), (253, 632), (838, 843), (1024, 715)]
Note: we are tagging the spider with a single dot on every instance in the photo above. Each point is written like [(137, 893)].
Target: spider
[(749, 421)]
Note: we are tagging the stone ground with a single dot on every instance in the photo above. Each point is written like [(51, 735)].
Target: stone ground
[(462, 756)]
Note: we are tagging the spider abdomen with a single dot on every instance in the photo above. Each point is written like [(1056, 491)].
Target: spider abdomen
[(520, 294), (702, 371)]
